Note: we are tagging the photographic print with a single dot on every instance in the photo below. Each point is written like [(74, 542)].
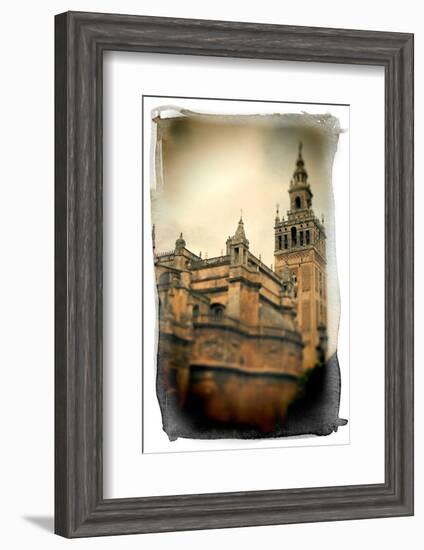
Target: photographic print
[(247, 302)]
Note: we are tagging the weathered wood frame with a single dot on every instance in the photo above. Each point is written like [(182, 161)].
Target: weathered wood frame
[(81, 39)]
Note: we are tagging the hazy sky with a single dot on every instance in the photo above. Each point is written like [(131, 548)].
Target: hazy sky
[(210, 167)]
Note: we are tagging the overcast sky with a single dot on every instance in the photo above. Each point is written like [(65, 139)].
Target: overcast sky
[(212, 167)]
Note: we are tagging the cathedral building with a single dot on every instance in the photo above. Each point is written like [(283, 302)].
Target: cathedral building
[(235, 336)]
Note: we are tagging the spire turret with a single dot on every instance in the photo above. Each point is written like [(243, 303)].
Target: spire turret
[(238, 245), (180, 244), (240, 235), (277, 214), (300, 191), (300, 174)]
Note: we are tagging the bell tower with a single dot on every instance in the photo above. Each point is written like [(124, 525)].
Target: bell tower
[(300, 247)]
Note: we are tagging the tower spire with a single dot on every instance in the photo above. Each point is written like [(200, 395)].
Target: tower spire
[(238, 245), (180, 244), (300, 175), (240, 235)]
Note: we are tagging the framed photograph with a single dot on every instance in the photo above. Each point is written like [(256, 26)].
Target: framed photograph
[(234, 274)]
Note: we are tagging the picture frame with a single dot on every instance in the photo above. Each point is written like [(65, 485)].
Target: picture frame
[(80, 41)]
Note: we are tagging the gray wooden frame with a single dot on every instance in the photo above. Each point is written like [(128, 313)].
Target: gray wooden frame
[(80, 40)]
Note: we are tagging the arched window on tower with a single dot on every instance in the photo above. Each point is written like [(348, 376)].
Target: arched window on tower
[(297, 202), (286, 241), (308, 236), (280, 239), (217, 311), (294, 236)]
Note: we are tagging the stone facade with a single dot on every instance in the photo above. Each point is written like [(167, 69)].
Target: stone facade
[(231, 351)]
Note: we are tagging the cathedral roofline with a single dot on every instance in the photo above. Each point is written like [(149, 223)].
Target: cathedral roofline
[(203, 263)]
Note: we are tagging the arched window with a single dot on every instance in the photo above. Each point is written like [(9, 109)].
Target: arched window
[(294, 236), (217, 311), (195, 311), (297, 202)]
